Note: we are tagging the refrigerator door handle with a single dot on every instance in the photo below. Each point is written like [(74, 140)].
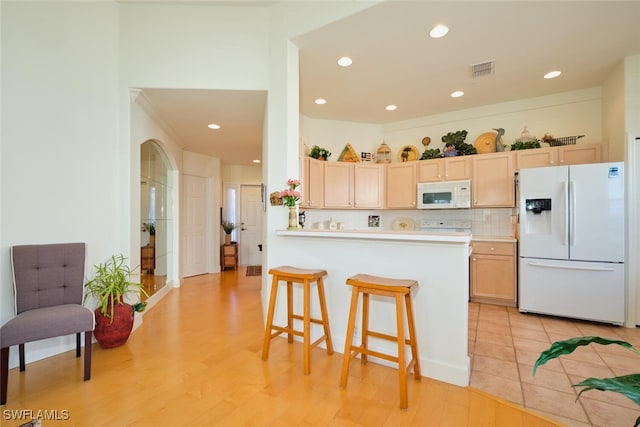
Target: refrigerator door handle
[(565, 188), (573, 267), (572, 209)]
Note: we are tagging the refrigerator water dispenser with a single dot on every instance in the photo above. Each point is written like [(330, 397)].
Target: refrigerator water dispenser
[(538, 216)]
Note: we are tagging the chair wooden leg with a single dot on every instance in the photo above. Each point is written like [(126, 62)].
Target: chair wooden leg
[(364, 343), (21, 357), (346, 356), (78, 344), (402, 364), (412, 337), (4, 373), (267, 331), (306, 327), (290, 311), (325, 316), (87, 355)]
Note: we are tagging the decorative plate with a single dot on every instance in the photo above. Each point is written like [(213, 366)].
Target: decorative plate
[(403, 224), (408, 153), (486, 143)]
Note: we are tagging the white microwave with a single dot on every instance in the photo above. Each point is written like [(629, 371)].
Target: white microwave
[(444, 195)]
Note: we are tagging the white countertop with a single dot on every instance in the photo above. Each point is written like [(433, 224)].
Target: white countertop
[(420, 236)]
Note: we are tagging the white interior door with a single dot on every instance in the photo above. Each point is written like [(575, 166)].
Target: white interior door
[(250, 225), (195, 229)]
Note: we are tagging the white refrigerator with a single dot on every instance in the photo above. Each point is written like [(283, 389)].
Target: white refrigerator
[(571, 243)]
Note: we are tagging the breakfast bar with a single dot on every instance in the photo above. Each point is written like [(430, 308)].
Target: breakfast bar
[(438, 261)]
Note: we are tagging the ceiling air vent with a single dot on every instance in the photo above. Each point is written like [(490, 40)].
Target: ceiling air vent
[(483, 69)]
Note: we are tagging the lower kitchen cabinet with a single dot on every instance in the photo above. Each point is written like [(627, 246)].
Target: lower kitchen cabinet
[(493, 272)]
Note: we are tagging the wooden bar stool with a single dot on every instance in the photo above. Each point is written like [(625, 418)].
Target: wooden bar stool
[(293, 275), (399, 289)]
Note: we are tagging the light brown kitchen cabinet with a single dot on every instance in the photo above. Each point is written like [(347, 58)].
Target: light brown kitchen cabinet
[(401, 185), (445, 169), (338, 185), (493, 180), (431, 170), (536, 158), (353, 185), (313, 183), (579, 154), (369, 187), (493, 272)]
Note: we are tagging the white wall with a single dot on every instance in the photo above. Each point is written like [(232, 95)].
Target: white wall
[(563, 114), (239, 174), (62, 175), (334, 135), (194, 46), (613, 115)]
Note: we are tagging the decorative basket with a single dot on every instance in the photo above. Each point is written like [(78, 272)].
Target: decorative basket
[(565, 140)]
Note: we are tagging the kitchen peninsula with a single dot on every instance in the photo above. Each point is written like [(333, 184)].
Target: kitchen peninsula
[(438, 261)]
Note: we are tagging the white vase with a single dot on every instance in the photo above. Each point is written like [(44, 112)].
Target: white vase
[(293, 218)]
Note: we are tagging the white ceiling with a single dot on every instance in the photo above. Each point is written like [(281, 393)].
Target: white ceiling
[(395, 62)]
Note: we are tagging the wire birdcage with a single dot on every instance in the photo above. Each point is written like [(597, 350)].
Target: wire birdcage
[(564, 140)]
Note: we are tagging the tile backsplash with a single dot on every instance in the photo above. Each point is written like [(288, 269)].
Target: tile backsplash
[(499, 222)]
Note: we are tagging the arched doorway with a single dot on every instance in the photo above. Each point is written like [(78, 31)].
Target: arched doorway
[(156, 217)]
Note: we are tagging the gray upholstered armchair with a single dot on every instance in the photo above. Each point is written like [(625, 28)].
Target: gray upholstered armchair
[(48, 281)]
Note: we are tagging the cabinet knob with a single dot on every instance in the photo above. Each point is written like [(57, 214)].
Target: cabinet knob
[(493, 249)]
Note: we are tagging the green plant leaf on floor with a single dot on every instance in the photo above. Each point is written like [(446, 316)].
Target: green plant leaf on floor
[(559, 348), (628, 385)]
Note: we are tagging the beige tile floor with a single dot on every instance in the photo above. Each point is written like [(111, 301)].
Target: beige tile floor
[(504, 344)]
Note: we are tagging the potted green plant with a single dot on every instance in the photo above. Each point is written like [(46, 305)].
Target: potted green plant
[(627, 385), (110, 285), (228, 227), (455, 145), (525, 145), (319, 153)]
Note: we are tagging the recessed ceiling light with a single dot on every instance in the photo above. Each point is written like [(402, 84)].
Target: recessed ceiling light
[(345, 61), (256, 161), (552, 74), (213, 126), (391, 107), (457, 94), (438, 31), (320, 101)]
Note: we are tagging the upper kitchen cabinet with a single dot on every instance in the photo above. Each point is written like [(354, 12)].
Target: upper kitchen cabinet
[(575, 154), (338, 185), (579, 154), (313, 184), (445, 169), (368, 189), (493, 180), (401, 185), (536, 158), (353, 185)]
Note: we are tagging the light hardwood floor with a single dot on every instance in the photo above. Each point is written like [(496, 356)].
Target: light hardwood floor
[(196, 360)]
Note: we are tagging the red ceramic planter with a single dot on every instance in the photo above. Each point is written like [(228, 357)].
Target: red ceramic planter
[(113, 334)]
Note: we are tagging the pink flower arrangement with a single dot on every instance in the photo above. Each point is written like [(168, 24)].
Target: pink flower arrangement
[(289, 195)]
